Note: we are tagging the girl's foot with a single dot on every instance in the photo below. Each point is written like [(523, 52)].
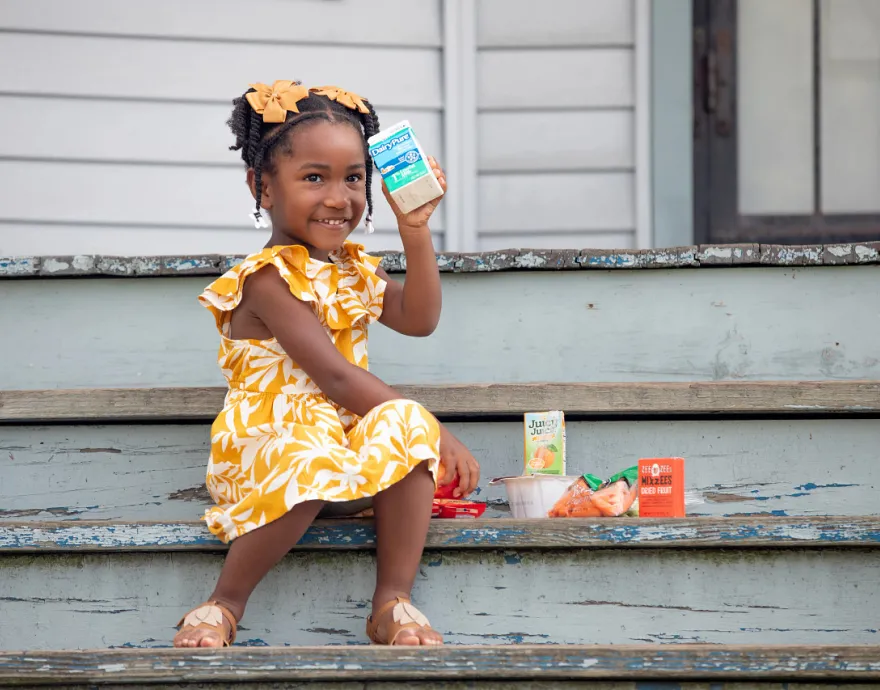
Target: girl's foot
[(208, 625), (400, 623)]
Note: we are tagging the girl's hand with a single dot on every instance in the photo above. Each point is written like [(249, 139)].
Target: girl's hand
[(457, 459), (417, 220)]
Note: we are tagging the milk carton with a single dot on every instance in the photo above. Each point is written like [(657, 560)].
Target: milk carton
[(404, 167)]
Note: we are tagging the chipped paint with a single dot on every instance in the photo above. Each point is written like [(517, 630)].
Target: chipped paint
[(511, 663), (487, 533), (510, 259), (19, 266)]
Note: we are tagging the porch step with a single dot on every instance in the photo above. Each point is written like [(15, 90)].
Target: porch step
[(518, 666), (547, 534), (720, 581), (475, 400), (736, 323), (769, 448)]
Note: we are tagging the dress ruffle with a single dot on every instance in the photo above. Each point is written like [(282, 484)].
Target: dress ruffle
[(342, 292)]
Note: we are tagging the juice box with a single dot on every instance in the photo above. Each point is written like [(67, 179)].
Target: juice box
[(544, 442), (404, 167), (661, 487)]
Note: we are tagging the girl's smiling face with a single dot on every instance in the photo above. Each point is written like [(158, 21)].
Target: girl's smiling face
[(316, 195)]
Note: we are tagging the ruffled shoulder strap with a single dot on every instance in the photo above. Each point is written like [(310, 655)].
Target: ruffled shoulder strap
[(224, 294), (361, 291)]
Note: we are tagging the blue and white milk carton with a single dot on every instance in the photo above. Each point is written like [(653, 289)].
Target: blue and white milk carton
[(404, 167)]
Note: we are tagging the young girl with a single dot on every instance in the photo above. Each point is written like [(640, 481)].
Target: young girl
[(305, 426)]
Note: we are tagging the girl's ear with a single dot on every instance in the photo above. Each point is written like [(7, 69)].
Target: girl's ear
[(265, 183)]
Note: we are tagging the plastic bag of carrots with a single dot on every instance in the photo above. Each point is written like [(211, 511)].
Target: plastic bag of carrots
[(589, 496)]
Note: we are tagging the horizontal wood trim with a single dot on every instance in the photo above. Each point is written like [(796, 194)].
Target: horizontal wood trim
[(89, 67), (734, 255), (475, 400), (125, 131), (554, 23), (381, 22), (586, 78), (554, 141), (492, 533), (483, 662), (71, 201), (510, 202)]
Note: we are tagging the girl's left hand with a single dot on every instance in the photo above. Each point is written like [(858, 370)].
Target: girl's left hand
[(418, 219), (457, 460)]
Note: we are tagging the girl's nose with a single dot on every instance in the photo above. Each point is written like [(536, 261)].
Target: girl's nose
[(335, 201)]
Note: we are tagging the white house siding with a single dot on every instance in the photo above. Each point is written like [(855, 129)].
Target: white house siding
[(556, 126), (113, 113)]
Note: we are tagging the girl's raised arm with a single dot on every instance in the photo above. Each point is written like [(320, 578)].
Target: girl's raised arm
[(414, 307)]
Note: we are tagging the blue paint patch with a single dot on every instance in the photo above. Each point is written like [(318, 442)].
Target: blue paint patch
[(651, 685), (512, 558), (16, 266), (812, 487), (608, 260), (436, 562)]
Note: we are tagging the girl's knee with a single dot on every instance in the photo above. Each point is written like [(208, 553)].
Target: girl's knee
[(402, 410)]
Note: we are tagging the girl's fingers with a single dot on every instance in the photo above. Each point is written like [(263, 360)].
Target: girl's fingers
[(464, 479)]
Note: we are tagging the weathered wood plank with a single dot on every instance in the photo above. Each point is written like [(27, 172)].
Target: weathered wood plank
[(473, 663), (474, 685), (800, 596), (335, 535), (84, 66), (380, 22), (477, 400), (727, 324), (522, 260), (156, 472)]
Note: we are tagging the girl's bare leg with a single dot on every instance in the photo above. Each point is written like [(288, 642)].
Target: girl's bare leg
[(250, 557), (403, 513)]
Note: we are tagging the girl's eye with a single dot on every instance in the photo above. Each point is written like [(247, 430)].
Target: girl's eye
[(355, 178), (314, 177)]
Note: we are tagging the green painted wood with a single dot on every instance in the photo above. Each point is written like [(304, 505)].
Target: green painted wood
[(475, 400), (737, 324), (472, 663), (479, 262), (734, 467), (347, 535), (473, 597), (475, 685)]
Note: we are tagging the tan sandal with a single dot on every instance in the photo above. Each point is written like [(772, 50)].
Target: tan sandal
[(405, 616), (209, 616)]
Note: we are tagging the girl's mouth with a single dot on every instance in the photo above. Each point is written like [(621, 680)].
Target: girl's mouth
[(333, 223)]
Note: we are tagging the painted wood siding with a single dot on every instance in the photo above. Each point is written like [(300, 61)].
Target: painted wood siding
[(556, 96), (114, 117)]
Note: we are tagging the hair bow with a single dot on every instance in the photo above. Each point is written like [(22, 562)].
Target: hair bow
[(346, 98), (273, 102)]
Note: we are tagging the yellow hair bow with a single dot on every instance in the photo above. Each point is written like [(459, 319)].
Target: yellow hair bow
[(273, 102), (346, 98)]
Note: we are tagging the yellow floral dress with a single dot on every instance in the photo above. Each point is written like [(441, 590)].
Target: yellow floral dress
[(279, 440)]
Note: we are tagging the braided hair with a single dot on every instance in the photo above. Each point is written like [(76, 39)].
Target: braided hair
[(260, 141)]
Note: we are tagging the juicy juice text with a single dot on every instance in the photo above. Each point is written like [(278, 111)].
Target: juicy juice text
[(544, 442)]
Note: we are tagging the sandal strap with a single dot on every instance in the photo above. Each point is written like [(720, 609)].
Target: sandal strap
[(212, 625), (403, 618)]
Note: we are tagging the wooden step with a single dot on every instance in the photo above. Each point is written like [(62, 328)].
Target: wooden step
[(789, 465), (709, 663), (761, 581), (476, 400), (348, 535), (751, 323)]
